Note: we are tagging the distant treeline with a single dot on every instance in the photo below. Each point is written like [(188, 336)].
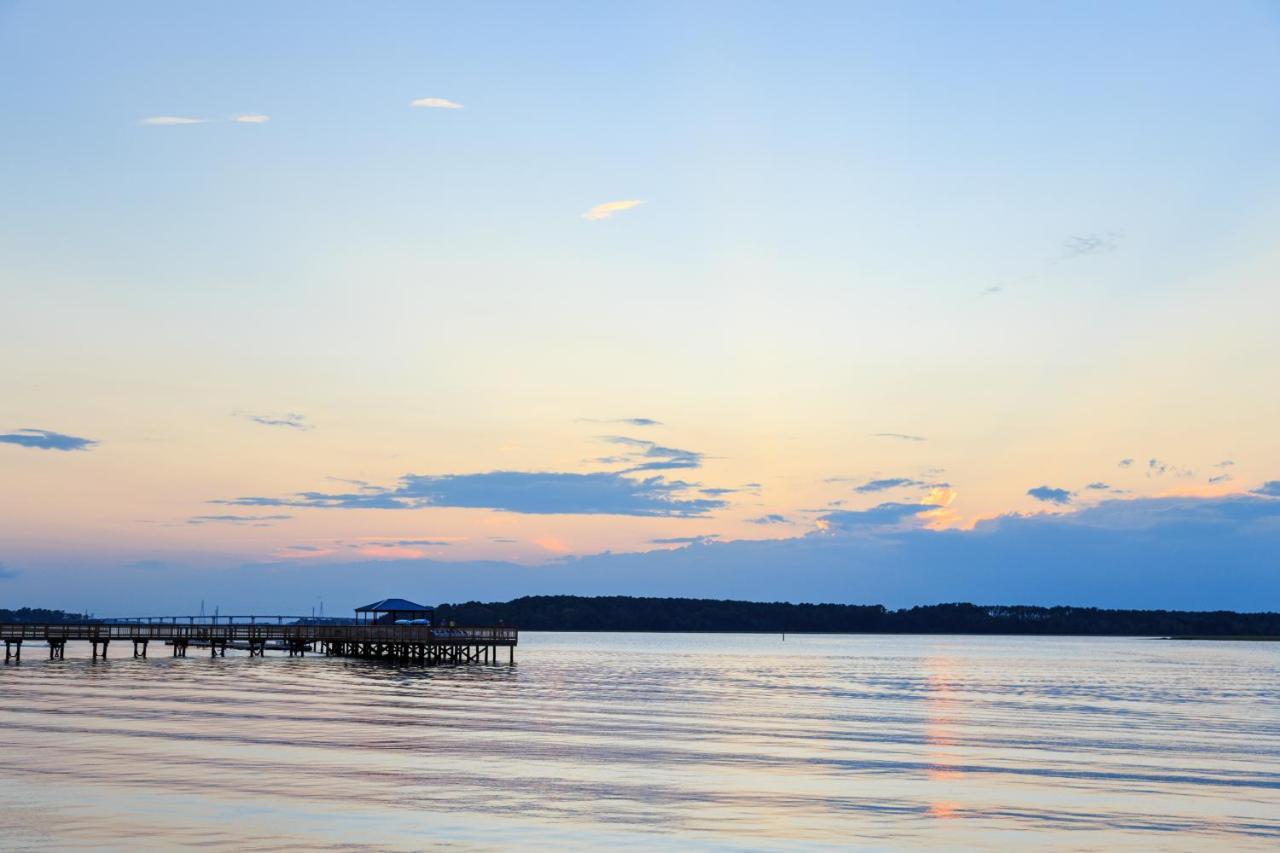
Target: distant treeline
[(40, 615), (622, 613)]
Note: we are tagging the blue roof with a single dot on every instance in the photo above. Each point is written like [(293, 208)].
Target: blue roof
[(389, 605)]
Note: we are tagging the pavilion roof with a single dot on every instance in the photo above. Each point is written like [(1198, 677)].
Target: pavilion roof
[(392, 605)]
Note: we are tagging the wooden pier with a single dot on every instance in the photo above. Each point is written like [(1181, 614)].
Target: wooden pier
[(411, 643)]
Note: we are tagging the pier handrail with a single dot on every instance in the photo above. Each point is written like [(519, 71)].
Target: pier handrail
[(227, 619), (99, 631)]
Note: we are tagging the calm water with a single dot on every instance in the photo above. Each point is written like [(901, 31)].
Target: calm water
[(653, 741)]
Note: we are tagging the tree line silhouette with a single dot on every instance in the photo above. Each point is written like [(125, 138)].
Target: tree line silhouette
[(624, 613)]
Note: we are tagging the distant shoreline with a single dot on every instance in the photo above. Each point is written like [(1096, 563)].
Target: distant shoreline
[(1236, 638), (623, 614)]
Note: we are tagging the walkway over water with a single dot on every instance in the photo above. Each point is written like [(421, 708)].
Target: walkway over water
[(421, 643)]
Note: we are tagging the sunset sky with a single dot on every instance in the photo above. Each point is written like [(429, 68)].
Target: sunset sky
[(890, 302)]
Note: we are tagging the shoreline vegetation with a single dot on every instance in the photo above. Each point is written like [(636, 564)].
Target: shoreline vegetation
[(1242, 638), (693, 615), (696, 615)]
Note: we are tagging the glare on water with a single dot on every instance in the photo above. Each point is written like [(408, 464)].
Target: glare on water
[(654, 740)]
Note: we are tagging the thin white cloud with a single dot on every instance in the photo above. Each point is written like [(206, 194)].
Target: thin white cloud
[(252, 118), (172, 120), (1090, 244), (609, 208), (437, 103)]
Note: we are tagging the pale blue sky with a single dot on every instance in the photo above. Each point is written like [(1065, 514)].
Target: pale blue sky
[(1039, 235)]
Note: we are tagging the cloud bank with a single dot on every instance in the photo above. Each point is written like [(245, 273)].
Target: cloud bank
[(1178, 552), (527, 492)]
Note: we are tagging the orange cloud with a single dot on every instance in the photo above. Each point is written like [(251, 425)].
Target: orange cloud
[(389, 552), (609, 208), (551, 544)]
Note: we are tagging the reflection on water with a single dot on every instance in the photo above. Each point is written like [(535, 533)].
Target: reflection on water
[(647, 740)]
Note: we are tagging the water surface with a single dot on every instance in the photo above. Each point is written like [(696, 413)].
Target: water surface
[(648, 741)]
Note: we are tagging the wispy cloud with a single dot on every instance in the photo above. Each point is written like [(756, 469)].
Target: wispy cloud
[(609, 208), (1090, 244), (899, 435), (883, 515), (887, 483), (771, 518), (43, 439), (1125, 463), (1073, 248), (436, 103), (651, 456), (635, 422), (290, 420), (383, 549), (255, 520), (177, 121), (1098, 486), (1158, 468), (686, 540), (402, 543), (529, 492), (1270, 489), (1048, 494), (168, 121)]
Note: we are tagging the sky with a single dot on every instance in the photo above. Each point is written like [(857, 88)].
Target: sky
[(859, 302)]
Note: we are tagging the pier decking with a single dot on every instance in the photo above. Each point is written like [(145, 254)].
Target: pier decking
[(414, 643)]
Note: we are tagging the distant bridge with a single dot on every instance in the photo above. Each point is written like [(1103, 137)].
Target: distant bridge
[(255, 634)]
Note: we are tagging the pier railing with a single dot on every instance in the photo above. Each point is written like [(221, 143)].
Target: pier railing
[(500, 635)]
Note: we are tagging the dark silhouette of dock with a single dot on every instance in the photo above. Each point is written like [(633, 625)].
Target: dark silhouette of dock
[(381, 630), (418, 643)]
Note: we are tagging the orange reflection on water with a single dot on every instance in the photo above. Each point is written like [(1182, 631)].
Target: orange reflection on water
[(940, 718), (942, 711), (944, 810)]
